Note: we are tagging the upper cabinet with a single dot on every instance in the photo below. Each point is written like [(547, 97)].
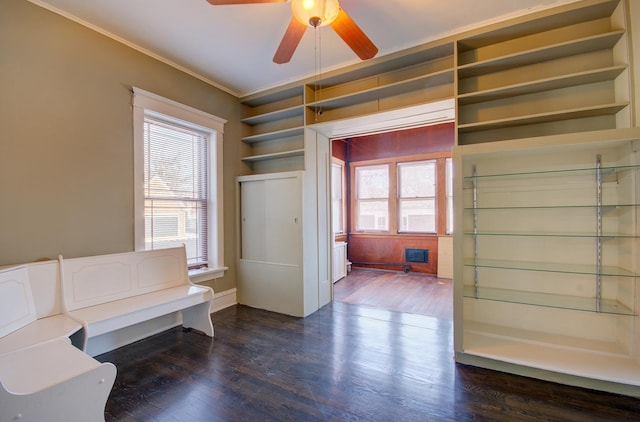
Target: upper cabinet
[(560, 72)]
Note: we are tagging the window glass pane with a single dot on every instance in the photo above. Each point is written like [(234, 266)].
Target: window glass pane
[(417, 191), (449, 167), (373, 215), (372, 195), (417, 180), (336, 197), (176, 189), (372, 182), (418, 215)]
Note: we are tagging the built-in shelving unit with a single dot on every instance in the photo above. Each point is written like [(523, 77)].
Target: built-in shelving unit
[(561, 73), (547, 275), (546, 242), (418, 78), (273, 125), (275, 121)]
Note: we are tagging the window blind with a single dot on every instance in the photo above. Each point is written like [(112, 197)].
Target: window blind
[(176, 188)]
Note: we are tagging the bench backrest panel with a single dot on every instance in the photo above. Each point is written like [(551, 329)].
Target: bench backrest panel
[(44, 278), (99, 279), (16, 303)]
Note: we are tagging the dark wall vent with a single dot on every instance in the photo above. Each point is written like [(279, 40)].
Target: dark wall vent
[(416, 255)]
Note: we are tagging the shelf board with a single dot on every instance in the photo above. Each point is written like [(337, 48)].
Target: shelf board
[(547, 84), (548, 267), (279, 134), (538, 234), (274, 115), (274, 155), (414, 84), (553, 116), (608, 306), (599, 360), (606, 170), (542, 54)]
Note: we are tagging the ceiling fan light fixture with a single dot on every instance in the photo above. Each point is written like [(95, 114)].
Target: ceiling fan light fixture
[(315, 13)]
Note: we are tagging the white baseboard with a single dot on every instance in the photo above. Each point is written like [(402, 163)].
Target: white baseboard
[(223, 300)]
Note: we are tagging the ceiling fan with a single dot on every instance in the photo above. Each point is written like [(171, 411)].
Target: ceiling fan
[(315, 13)]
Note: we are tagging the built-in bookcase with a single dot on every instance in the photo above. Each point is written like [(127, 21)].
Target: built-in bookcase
[(547, 275), (559, 73)]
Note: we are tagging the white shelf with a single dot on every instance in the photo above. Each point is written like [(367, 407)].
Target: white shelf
[(548, 300), (536, 55), (275, 155), (546, 84), (553, 116), (599, 360), (383, 91), (270, 136), (274, 115)]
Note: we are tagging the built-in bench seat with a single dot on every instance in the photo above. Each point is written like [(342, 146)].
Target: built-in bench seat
[(109, 292), (42, 375), (30, 308)]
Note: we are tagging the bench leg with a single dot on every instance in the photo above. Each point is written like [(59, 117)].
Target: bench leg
[(198, 318)]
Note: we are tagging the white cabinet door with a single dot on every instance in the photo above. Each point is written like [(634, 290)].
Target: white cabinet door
[(270, 220)]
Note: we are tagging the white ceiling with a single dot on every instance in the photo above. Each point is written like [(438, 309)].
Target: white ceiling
[(232, 46)]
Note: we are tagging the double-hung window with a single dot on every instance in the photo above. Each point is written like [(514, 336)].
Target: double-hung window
[(372, 197), (176, 189), (417, 196), (337, 196), (449, 171), (178, 180)]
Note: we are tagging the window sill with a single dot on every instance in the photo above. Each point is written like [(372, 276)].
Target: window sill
[(203, 274)]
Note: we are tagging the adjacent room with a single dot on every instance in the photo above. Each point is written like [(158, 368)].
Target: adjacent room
[(313, 210)]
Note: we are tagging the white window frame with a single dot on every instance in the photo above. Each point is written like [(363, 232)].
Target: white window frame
[(148, 104), (434, 198), (338, 164)]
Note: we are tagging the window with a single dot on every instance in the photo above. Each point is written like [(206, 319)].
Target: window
[(178, 180), (449, 165), (176, 189), (417, 196), (402, 195), (337, 195), (372, 198)]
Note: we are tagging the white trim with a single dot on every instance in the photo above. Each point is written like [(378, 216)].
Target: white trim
[(223, 300), (205, 274), (134, 46), (147, 103)]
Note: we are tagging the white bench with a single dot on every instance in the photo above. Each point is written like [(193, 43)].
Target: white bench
[(109, 292), (42, 375), (31, 311)]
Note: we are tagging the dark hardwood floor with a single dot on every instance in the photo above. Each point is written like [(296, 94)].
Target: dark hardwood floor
[(343, 363), (414, 293)]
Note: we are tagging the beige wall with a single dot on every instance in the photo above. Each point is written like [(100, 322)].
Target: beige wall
[(66, 152)]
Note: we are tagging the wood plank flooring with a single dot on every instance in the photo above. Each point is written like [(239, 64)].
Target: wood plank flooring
[(413, 293), (343, 363)]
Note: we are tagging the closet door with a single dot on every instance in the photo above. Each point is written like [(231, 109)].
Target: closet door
[(282, 228), (270, 220), (253, 219)]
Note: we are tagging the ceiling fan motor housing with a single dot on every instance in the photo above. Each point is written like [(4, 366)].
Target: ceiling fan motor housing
[(315, 13)]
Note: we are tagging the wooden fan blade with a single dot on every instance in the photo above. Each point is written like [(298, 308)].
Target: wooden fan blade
[(289, 42), (223, 2), (351, 33)]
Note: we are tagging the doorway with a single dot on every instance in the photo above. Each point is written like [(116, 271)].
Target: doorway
[(379, 230)]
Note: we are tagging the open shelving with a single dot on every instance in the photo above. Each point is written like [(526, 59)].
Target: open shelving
[(556, 74), (547, 275)]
